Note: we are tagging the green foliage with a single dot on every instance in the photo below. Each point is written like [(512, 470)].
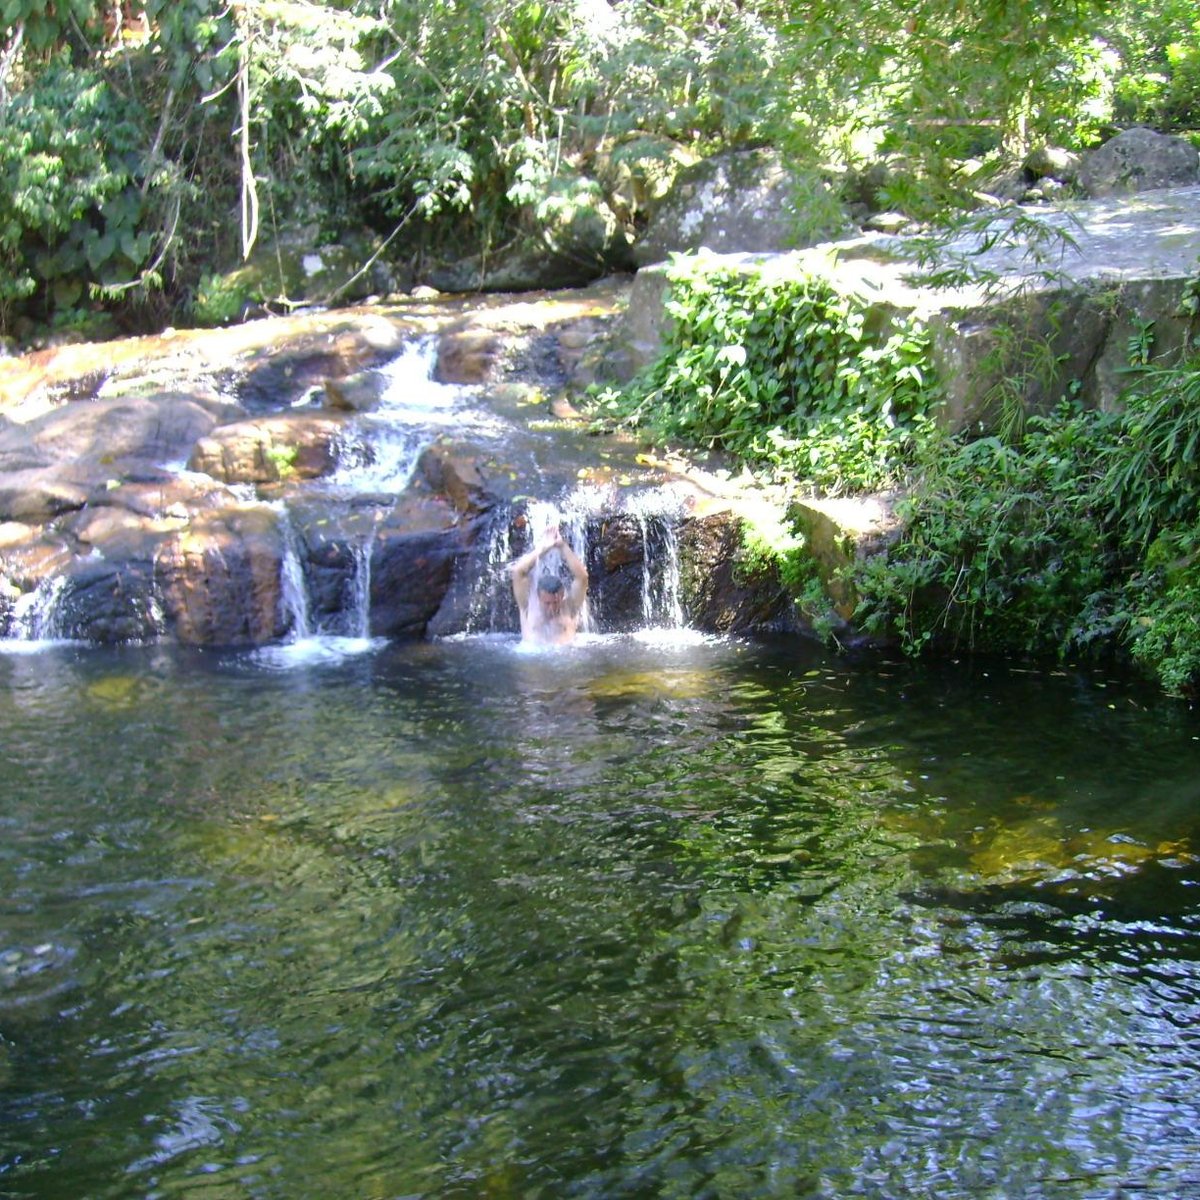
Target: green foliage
[(1084, 534), (73, 213), (1163, 609), (785, 372), (219, 299), (1159, 81), (470, 122), (1001, 547), (47, 27), (1153, 471)]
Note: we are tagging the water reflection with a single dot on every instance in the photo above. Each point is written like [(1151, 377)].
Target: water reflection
[(709, 919)]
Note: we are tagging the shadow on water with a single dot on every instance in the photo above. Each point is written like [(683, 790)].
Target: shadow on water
[(685, 917)]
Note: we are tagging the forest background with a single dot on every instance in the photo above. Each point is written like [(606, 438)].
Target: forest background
[(148, 147)]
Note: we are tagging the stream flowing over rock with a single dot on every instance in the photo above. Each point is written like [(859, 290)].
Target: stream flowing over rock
[(361, 473), (369, 472)]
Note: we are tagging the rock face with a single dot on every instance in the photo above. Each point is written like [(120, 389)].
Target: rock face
[(571, 237), (250, 504), (740, 201), (1103, 272), (1138, 160)]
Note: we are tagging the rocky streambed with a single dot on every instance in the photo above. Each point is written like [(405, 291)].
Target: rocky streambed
[(361, 472), (368, 471)]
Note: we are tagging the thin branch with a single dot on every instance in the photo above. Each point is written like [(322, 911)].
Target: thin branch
[(391, 237)]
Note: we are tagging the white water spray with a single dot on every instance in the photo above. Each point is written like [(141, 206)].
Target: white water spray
[(293, 588), (657, 515), (36, 614), (383, 452), (358, 611)]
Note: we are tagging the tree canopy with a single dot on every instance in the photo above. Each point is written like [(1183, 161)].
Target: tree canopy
[(144, 143)]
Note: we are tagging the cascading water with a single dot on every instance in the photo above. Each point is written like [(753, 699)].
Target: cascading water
[(358, 611), (580, 516), (379, 457), (293, 588), (329, 530), (35, 614), (657, 516), (383, 452)]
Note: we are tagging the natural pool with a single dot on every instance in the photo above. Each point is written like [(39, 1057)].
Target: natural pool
[(709, 918)]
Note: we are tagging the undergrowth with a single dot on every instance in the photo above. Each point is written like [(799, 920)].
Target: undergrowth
[(786, 373), (1083, 536), (1077, 533)]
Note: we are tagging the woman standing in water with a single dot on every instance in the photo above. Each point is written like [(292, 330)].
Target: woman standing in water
[(550, 611)]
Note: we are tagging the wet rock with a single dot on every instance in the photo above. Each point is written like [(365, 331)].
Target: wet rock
[(335, 541), (285, 371), (40, 494), (220, 578), (721, 589), (110, 600), (413, 563), (616, 567), (360, 392), (147, 429), (467, 355), (456, 470), (270, 449)]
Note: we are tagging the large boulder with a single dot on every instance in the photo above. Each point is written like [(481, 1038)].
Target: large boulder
[(220, 578), (570, 237), (114, 432), (298, 265), (637, 173), (416, 552), (1138, 160), (77, 453), (740, 201), (270, 449), (1106, 271)]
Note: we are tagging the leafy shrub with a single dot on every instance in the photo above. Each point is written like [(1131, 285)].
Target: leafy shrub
[(1002, 546), (785, 372), (1085, 535), (72, 217)]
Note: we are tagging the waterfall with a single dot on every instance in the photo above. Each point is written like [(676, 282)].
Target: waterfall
[(582, 516), (35, 613), (490, 593), (657, 515), (358, 611), (382, 453), (293, 587), (571, 515)]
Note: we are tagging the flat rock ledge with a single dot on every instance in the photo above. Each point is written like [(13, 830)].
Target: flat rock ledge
[(1097, 274)]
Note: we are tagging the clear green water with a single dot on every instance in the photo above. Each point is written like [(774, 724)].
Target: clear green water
[(723, 920)]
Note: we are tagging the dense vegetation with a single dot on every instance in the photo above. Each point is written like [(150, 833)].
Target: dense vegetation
[(147, 146), (1072, 533)]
